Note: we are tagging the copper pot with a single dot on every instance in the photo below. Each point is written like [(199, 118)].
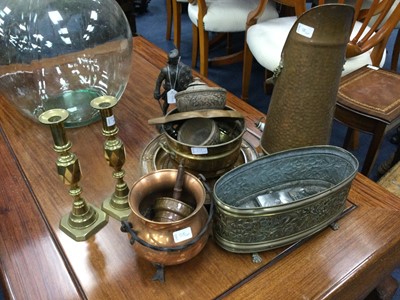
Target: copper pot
[(171, 242)]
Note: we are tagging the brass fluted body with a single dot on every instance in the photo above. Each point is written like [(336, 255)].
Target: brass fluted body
[(84, 220), (117, 205)]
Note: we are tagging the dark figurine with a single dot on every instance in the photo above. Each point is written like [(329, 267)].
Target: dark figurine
[(176, 77)]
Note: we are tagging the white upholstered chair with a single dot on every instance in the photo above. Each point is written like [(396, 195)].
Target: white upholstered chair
[(221, 16), (265, 40)]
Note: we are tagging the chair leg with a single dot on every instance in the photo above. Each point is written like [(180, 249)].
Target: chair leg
[(377, 138), (195, 45), (176, 13), (396, 52), (168, 4), (351, 139), (247, 65), (203, 49), (268, 86)]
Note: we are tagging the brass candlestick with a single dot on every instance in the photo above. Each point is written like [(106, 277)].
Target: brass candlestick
[(117, 205), (84, 220)]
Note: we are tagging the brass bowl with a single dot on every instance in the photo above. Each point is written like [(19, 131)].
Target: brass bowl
[(210, 160), (199, 131), (171, 242)]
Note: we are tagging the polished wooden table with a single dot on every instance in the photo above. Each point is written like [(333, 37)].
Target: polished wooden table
[(38, 261)]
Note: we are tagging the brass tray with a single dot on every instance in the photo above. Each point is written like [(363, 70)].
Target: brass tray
[(154, 158)]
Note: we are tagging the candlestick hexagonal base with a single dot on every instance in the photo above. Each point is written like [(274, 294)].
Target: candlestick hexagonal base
[(118, 209), (80, 229)]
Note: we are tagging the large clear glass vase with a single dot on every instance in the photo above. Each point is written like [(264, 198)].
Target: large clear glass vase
[(62, 54)]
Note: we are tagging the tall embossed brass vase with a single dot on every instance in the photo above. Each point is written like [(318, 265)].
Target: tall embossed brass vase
[(84, 220), (303, 101), (117, 206)]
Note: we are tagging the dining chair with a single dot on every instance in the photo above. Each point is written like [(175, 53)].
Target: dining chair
[(265, 39), (369, 100), (220, 16), (274, 39), (383, 17), (174, 11)]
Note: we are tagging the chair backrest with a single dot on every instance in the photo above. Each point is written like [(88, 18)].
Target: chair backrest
[(378, 18), (298, 5)]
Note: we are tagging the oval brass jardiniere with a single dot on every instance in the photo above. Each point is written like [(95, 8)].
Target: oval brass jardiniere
[(281, 198)]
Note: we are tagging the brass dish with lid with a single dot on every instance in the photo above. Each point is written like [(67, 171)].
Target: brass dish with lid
[(199, 95)]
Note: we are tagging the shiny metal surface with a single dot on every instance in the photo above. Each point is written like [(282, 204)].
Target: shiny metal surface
[(168, 209), (154, 157), (199, 131), (280, 198), (116, 205), (142, 198), (199, 95), (210, 160), (85, 219)]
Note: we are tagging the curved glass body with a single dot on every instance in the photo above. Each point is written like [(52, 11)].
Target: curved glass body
[(62, 54)]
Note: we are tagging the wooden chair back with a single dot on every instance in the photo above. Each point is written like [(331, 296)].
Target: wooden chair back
[(374, 32), (299, 7), (376, 27)]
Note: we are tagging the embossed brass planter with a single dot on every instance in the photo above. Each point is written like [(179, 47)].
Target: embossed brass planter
[(279, 199)]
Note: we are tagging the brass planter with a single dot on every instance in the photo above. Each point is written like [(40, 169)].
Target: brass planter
[(279, 199), (210, 160)]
